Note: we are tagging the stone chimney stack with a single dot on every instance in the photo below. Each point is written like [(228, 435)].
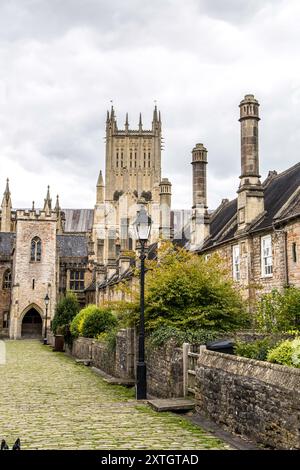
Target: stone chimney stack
[(165, 209), (6, 210), (250, 192), (200, 217)]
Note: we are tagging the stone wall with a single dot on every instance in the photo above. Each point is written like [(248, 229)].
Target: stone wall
[(118, 361), (256, 399), (125, 353), (165, 371), (164, 364)]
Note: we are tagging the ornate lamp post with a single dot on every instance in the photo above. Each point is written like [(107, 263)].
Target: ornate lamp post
[(46, 300), (142, 227)]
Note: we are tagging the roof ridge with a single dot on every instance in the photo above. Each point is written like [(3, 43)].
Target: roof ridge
[(225, 202), (288, 170)]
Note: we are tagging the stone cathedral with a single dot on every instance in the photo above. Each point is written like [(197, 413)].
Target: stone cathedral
[(90, 251), (52, 250)]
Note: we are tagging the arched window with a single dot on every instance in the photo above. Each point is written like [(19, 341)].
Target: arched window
[(36, 249), (7, 279)]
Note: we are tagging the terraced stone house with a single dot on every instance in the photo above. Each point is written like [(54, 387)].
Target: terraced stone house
[(258, 233)]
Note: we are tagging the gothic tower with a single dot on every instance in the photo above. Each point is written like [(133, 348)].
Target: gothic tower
[(250, 192), (35, 269), (133, 157), (132, 175)]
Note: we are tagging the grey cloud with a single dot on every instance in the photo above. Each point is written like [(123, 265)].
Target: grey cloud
[(62, 61), (234, 11)]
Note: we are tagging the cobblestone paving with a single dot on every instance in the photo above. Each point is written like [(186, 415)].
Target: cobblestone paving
[(51, 402)]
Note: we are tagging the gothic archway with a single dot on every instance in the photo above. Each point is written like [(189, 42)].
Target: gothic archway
[(32, 324)]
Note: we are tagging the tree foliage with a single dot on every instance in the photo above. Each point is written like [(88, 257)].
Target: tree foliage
[(256, 349), (188, 292), (279, 311), (66, 309)]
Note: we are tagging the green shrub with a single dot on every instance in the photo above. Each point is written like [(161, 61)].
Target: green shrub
[(91, 321), (66, 309), (165, 333), (255, 350), (286, 353), (77, 323), (279, 311), (97, 321)]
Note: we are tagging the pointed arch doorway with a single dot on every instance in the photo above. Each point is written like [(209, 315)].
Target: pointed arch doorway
[(32, 325)]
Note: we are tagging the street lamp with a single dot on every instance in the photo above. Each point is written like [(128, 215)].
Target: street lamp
[(142, 227), (46, 300)]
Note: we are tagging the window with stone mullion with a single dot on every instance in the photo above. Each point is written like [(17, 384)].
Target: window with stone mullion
[(77, 280)]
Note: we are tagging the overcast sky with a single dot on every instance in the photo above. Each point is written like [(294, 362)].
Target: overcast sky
[(62, 61)]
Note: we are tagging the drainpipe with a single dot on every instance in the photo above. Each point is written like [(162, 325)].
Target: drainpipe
[(285, 252), (286, 261)]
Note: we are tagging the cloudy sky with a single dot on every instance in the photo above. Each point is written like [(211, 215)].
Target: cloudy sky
[(62, 61)]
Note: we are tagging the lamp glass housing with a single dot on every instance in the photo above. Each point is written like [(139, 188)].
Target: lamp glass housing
[(142, 225)]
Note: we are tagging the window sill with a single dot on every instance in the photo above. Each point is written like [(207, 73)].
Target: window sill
[(266, 276)]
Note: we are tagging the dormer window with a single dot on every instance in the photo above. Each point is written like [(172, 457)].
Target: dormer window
[(36, 249)]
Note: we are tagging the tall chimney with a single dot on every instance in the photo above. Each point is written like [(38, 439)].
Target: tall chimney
[(165, 208), (200, 217), (250, 192)]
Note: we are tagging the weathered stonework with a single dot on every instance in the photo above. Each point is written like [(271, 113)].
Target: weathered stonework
[(262, 209), (255, 399), (165, 371), (285, 268), (118, 361), (5, 297), (32, 280)]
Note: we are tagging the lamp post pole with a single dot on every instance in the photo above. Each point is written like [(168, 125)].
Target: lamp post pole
[(141, 373), (46, 319)]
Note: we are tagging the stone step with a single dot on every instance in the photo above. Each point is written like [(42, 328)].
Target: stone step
[(119, 381), (113, 380), (172, 404), (86, 362)]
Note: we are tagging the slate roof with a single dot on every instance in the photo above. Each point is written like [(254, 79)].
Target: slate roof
[(278, 192), (78, 220), (72, 246), (6, 243)]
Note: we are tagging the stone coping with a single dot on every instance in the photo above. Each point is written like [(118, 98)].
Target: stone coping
[(275, 374)]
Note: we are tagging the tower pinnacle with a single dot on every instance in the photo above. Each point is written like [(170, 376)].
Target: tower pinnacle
[(48, 201)]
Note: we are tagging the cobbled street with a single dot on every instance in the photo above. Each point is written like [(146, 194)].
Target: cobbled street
[(51, 402)]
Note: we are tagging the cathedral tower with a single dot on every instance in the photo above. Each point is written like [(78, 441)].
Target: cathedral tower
[(133, 157)]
